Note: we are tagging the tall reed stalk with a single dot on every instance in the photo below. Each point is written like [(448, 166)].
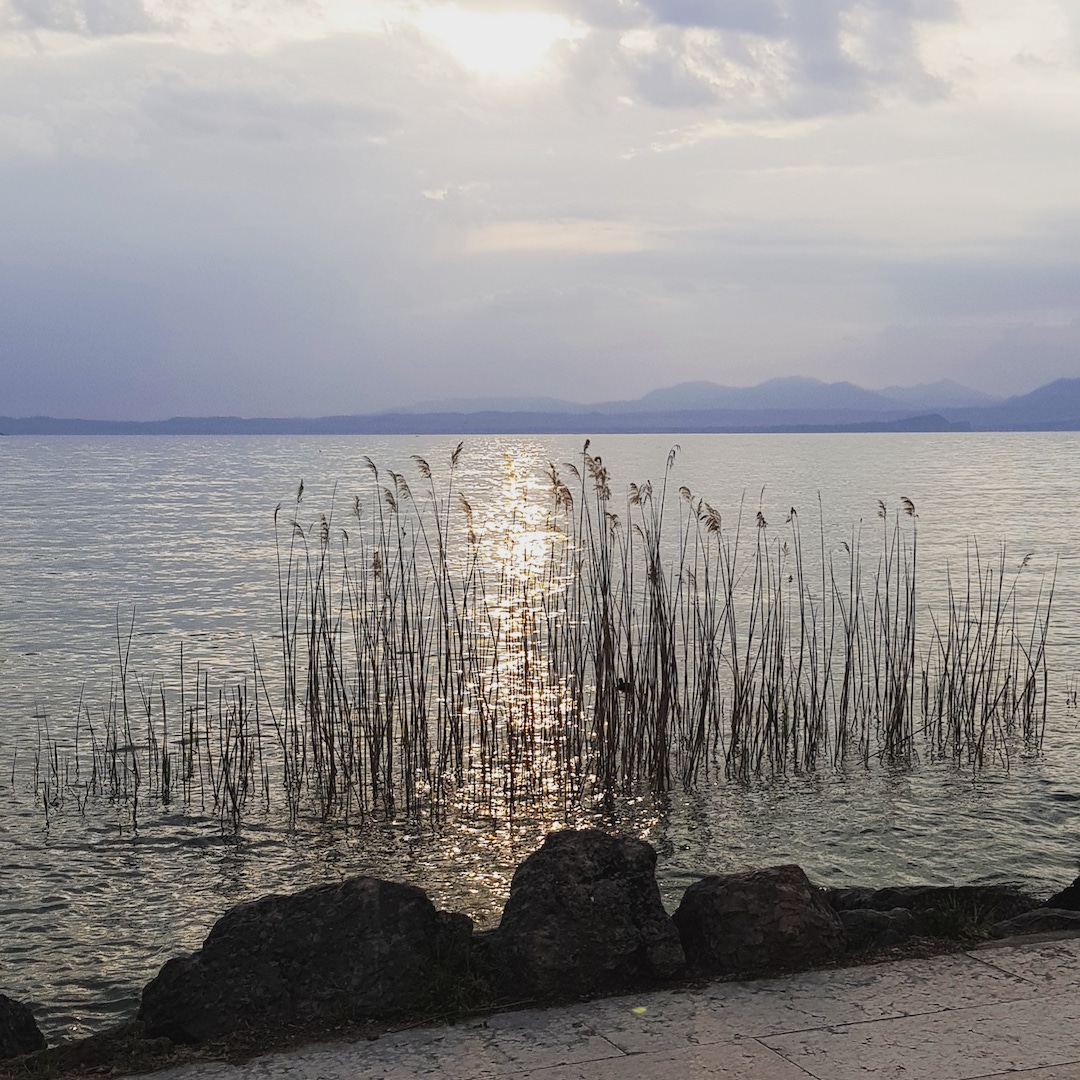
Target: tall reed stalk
[(570, 648)]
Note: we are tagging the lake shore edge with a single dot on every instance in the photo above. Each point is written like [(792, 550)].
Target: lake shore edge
[(126, 1051)]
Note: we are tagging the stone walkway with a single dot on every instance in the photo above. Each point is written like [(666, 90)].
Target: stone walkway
[(1008, 1009)]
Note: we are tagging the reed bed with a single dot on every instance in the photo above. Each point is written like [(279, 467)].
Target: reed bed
[(569, 647)]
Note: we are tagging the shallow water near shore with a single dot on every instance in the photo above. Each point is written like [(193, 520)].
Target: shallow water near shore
[(182, 529)]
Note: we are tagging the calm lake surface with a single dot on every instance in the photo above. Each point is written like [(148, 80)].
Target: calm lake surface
[(182, 531)]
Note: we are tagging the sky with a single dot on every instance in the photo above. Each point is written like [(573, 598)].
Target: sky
[(296, 208)]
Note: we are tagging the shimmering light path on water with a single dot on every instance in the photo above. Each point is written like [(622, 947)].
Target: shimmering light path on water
[(182, 529)]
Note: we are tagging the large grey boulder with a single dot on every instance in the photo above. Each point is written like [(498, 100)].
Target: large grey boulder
[(357, 949), (19, 1032), (762, 920), (584, 917)]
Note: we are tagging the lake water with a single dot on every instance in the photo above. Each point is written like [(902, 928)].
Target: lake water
[(182, 531)]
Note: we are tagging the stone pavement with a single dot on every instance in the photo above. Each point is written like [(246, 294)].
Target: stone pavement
[(1007, 1009)]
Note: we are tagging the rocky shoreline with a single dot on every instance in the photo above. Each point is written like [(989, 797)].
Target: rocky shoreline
[(584, 919)]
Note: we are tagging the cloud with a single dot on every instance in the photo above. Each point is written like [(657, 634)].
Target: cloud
[(1013, 358), (794, 58), (1026, 356), (207, 25), (505, 45), (90, 17), (264, 206), (241, 110), (798, 58), (750, 16), (563, 237), (995, 289), (25, 138)]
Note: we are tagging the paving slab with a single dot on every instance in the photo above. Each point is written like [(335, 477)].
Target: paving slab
[(1052, 1072), (960, 1044), (1009, 1010), (738, 1060), (541, 1038), (1046, 963)]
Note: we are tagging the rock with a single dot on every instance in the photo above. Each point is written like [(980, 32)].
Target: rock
[(584, 917), (762, 920), (866, 928), (1066, 900), (1038, 921), (455, 939), (359, 948), (946, 911), (19, 1032), (849, 899)]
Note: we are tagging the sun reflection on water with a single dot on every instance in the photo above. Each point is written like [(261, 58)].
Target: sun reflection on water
[(156, 890), (527, 551)]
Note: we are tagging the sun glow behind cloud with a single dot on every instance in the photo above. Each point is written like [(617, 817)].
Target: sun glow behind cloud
[(557, 237), (582, 186), (504, 45)]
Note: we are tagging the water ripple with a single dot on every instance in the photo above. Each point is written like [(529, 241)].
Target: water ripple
[(181, 530)]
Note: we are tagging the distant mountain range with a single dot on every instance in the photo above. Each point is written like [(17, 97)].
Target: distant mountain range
[(793, 404), (792, 393)]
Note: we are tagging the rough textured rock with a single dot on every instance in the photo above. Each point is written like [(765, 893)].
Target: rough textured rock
[(762, 920), (865, 928), (584, 917), (849, 899), (939, 910), (1066, 900), (359, 948), (19, 1032), (1037, 921)]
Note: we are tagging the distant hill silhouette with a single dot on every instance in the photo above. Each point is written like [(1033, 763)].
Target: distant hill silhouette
[(795, 404), (1053, 407), (795, 392), (943, 394), (792, 393)]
